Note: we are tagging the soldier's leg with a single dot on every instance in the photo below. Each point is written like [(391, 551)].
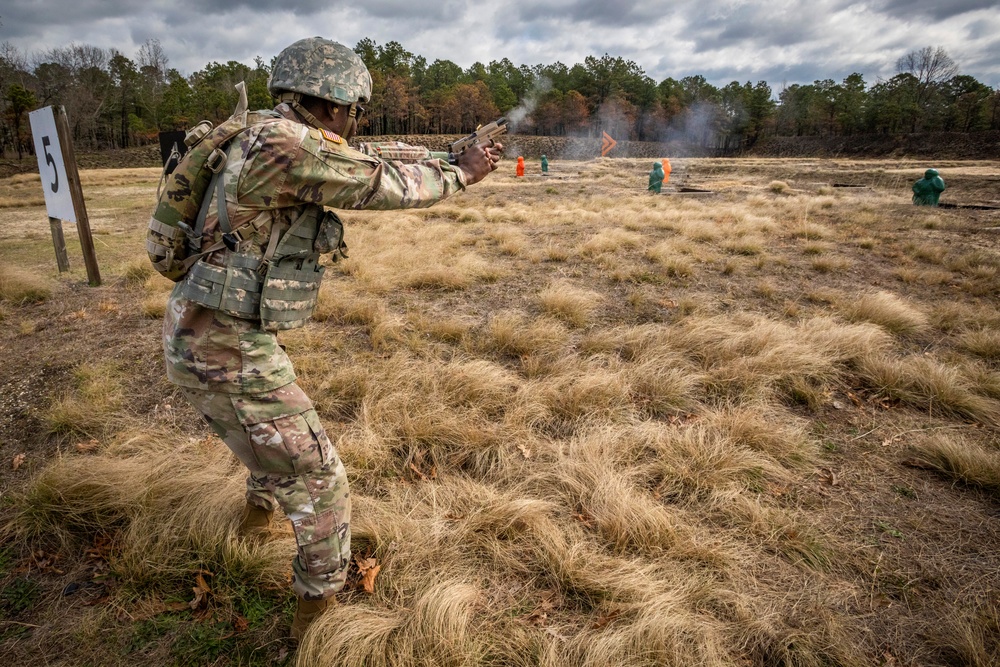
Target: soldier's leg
[(278, 436), (218, 411), (259, 493), (319, 507)]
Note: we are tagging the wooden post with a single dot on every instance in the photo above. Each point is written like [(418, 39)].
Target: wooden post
[(59, 241), (73, 176)]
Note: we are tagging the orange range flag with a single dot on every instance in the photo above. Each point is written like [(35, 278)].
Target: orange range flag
[(607, 143)]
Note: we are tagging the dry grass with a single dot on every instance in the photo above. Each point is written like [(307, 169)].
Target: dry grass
[(21, 202), (886, 310), (512, 332), (983, 343), (91, 406), (21, 286), (608, 241), (961, 460), (570, 303), (582, 427), (174, 505), (931, 385)]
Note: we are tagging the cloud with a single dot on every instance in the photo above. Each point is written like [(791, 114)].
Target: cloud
[(723, 40), (595, 12), (935, 9)]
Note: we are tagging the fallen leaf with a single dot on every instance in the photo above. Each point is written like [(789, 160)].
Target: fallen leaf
[(87, 447), (45, 562), (19, 460), (199, 598), (102, 548), (422, 476), (201, 590), (369, 568), (241, 624), (830, 477), (606, 619), (541, 612), (365, 564), (919, 464)]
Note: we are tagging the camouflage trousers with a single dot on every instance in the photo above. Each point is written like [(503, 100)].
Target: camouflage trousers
[(278, 437)]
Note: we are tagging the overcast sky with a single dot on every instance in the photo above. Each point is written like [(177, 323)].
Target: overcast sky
[(779, 41)]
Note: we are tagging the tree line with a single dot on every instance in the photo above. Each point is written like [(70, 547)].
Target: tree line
[(114, 101)]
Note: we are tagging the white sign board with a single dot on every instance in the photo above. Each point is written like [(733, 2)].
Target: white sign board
[(58, 199)]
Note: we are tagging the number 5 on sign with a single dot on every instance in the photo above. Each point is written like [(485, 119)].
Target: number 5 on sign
[(51, 165), (61, 185)]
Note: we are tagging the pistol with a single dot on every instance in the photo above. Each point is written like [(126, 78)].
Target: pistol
[(398, 151), (484, 134)]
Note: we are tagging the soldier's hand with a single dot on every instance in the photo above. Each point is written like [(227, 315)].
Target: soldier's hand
[(478, 162)]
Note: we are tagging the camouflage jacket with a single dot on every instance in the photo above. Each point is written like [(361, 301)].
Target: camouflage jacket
[(275, 171)]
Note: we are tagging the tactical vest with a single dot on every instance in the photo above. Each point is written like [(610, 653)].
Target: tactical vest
[(277, 287)]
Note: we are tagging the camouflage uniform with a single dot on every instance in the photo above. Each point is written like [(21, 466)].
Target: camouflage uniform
[(238, 376)]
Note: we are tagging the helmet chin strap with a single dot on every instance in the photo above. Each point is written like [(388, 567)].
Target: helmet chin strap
[(293, 100)]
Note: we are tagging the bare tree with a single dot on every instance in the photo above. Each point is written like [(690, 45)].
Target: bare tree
[(931, 67), (90, 85), (153, 70), (13, 72)]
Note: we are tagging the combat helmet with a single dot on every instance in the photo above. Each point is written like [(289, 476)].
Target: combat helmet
[(931, 173), (321, 68)]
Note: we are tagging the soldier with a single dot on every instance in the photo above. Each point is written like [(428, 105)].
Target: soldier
[(519, 170), (265, 224), (545, 164)]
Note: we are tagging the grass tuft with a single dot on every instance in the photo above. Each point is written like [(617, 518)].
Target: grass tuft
[(569, 303), (91, 407), (886, 310), (19, 286), (960, 459)]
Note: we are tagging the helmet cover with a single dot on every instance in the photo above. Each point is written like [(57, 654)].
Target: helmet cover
[(321, 68)]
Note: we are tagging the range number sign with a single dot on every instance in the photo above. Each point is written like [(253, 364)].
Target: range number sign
[(52, 165)]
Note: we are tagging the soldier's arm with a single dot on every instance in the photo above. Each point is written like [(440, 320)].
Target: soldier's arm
[(331, 173)]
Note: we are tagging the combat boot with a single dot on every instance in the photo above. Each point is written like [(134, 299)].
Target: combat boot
[(306, 612), (255, 522)]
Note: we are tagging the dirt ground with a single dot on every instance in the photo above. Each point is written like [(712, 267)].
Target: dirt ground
[(934, 540)]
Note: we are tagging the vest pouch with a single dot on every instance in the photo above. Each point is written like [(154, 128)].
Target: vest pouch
[(234, 289), (330, 236), (289, 293), (167, 247)]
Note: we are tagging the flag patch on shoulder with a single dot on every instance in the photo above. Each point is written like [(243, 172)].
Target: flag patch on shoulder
[(331, 136)]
